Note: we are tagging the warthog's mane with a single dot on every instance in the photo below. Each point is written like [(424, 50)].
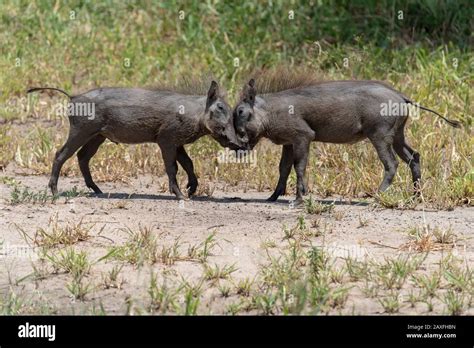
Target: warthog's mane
[(283, 78), (188, 85)]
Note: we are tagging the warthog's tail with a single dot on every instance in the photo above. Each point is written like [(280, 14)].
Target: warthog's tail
[(51, 88), (453, 123)]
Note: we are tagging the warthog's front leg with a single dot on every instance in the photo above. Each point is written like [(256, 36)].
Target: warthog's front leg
[(286, 162), (188, 166), (169, 152)]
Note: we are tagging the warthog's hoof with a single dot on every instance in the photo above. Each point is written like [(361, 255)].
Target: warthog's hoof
[(272, 198), (191, 188), (278, 192), (96, 189), (53, 188), (297, 202), (180, 197)]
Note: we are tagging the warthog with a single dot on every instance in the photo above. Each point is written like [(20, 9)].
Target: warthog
[(294, 113), (134, 115)]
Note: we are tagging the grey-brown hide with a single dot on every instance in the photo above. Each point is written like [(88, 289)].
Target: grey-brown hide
[(134, 115), (340, 112)]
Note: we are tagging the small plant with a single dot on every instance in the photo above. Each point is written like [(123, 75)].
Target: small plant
[(69, 261), (301, 222), (337, 275), (161, 297), (112, 279), (191, 302), (202, 251), (444, 236), (224, 290), (11, 304), (338, 215), (122, 204), (72, 193), (391, 303), (268, 243), (429, 304), (293, 297), (289, 233), (357, 269), (234, 308), (98, 310), (313, 207), (266, 303), (413, 298), (170, 254), (429, 283), (394, 272), (319, 293), (363, 222), (370, 289), (459, 279), (244, 286), (424, 239), (141, 247), (338, 297), (78, 288), (215, 273), (40, 271), (396, 198), (61, 235), (25, 195), (318, 260), (454, 302), (9, 181)]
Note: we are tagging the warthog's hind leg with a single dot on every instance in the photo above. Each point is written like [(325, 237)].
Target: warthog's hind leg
[(84, 156)]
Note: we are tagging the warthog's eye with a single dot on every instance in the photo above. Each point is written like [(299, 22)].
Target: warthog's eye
[(220, 107)]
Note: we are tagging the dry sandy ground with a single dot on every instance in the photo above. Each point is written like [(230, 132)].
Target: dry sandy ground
[(243, 222)]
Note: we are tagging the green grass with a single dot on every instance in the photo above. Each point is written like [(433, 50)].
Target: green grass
[(297, 278), (161, 296), (26, 195), (216, 272), (57, 234), (69, 261)]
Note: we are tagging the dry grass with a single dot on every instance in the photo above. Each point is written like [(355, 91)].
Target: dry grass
[(425, 239)]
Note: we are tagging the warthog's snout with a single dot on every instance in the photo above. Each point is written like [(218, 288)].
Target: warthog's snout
[(232, 143), (236, 146), (242, 135)]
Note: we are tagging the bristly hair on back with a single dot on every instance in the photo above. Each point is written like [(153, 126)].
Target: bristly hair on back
[(188, 85), (283, 78)]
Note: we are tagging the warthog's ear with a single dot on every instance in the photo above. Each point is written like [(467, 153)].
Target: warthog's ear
[(212, 94), (249, 93)]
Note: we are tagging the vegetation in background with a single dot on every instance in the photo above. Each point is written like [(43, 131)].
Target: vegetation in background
[(423, 48)]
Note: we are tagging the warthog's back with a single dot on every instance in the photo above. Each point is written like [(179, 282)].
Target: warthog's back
[(342, 111), (134, 115)]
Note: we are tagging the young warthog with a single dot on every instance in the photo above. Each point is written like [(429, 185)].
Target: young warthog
[(294, 114), (133, 115)]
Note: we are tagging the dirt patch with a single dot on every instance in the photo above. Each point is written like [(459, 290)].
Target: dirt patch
[(245, 232)]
